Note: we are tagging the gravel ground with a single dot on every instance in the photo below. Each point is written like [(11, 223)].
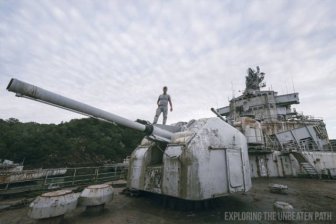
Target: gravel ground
[(314, 201)]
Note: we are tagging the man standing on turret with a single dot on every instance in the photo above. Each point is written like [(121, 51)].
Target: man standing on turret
[(162, 103)]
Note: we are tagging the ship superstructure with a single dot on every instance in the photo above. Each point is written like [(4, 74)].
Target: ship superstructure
[(276, 131)]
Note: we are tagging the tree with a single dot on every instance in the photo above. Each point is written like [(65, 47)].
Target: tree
[(80, 141)]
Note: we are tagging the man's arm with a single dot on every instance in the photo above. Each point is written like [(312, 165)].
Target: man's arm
[(170, 103), (158, 101)]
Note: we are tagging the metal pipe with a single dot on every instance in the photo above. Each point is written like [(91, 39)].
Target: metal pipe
[(23, 89), (218, 115)]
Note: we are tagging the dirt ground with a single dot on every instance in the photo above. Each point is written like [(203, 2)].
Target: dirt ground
[(314, 201)]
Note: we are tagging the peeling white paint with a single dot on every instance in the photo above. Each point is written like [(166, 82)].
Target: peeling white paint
[(96, 195), (53, 204)]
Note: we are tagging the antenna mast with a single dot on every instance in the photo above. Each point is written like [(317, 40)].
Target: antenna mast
[(234, 103), (293, 84)]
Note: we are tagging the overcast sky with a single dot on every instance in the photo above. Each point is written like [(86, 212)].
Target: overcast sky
[(117, 55)]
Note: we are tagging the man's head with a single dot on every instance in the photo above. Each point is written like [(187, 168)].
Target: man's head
[(165, 89)]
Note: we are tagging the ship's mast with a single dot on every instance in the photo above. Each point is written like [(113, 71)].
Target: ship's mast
[(234, 104)]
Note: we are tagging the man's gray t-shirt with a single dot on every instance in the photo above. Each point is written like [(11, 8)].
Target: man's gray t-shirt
[(163, 100)]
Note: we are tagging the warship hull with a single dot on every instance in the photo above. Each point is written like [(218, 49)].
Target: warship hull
[(293, 164), (29, 175)]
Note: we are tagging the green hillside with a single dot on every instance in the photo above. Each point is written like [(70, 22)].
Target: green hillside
[(80, 142)]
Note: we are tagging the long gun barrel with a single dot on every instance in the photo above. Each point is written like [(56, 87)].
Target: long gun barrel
[(23, 89)]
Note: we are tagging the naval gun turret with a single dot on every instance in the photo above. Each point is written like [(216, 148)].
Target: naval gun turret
[(195, 160)]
